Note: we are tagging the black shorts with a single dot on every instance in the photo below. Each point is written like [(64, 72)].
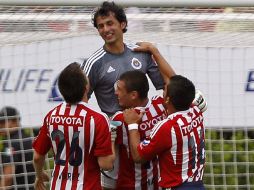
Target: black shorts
[(195, 185)]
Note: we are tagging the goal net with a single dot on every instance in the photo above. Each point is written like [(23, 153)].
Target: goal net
[(214, 47)]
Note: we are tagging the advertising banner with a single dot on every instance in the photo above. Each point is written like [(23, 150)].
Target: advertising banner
[(28, 77)]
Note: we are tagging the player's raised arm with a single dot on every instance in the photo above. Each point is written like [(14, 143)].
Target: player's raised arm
[(164, 67)]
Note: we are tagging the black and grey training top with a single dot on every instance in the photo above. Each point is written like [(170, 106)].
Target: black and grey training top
[(104, 69)]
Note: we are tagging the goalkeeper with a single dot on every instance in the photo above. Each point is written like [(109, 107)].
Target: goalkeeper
[(15, 153), (105, 66)]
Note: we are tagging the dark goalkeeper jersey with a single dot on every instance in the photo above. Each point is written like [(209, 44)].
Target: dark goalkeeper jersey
[(18, 151), (104, 69)]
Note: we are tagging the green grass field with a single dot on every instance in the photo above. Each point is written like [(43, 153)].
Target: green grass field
[(229, 160)]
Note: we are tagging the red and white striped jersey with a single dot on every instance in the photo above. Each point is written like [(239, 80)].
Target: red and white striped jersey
[(179, 143), (78, 135), (134, 176)]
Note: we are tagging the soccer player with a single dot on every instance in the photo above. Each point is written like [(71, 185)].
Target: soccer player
[(131, 90), (178, 141), (80, 138), (105, 66), (17, 171)]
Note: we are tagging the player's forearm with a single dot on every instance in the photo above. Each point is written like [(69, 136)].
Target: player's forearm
[(6, 181), (164, 67), (113, 156), (7, 178), (38, 162), (134, 138)]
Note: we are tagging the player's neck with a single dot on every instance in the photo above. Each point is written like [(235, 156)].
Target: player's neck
[(142, 103), (171, 110), (114, 48), (85, 99)]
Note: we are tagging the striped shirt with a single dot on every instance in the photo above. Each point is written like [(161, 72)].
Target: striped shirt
[(77, 135), (179, 142), (104, 69), (134, 176)]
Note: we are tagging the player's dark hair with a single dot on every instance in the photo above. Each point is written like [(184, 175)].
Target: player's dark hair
[(181, 92), (136, 81), (110, 7), (72, 83)]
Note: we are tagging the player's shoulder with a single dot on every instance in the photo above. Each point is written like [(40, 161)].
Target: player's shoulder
[(93, 59), (55, 110), (182, 118), (131, 45), (97, 115), (158, 127), (157, 99), (117, 116)]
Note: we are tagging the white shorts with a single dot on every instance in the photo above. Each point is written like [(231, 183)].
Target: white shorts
[(108, 178)]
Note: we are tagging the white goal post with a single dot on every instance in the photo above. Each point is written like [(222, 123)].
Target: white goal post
[(209, 41)]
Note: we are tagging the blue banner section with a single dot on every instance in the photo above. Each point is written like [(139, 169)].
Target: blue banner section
[(250, 82), (55, 95), (21, 80)]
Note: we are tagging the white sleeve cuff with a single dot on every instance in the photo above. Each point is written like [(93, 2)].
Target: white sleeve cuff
[(133, 126)]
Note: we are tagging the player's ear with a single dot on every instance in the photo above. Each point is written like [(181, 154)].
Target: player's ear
[(167, 100), (123, 25), (87, 87), (134, 95)]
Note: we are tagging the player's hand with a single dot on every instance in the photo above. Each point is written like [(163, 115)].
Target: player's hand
[(113, 129), (131, 116), (39, 181), (145, 47), (200, 101)]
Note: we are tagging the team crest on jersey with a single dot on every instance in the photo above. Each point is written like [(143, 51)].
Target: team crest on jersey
[(145, 142), (135, 63)]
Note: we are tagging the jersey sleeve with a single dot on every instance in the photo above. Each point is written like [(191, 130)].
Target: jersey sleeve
[(159, 141), (154, 73), (102, 138), (42, 143)]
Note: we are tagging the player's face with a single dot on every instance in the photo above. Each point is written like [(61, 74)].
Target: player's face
[(8, 125), (110, 29), (124, 98)]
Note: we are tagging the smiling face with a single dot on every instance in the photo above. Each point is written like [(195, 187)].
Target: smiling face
[(110, 29), (125, 98)]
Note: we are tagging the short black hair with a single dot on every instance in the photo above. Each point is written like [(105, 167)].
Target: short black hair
[(9, 113), (72, 83), (136, 81), (110, 7), (181, 92)]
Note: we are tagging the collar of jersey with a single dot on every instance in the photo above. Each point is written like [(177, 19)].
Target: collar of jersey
[(144, 108), (83, 103), (177, 113)]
